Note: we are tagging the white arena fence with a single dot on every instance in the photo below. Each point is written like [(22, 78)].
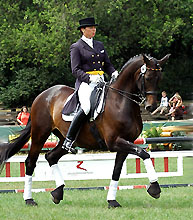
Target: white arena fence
[(94, 166)]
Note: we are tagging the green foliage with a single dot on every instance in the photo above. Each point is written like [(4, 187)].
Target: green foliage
[(27, 83), (153, 132), (36, 35)]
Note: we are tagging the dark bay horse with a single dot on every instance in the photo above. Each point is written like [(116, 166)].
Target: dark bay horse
[(119, 126)]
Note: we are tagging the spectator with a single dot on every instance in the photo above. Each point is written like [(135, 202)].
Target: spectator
[(176, 110), (23, 116), (163, 107)]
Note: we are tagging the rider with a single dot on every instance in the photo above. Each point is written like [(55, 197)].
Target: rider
[(89, 61)]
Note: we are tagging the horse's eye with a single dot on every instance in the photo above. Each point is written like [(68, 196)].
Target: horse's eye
[(148, 78)]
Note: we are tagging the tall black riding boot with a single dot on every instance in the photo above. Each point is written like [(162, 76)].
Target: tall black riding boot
[(73, 130)]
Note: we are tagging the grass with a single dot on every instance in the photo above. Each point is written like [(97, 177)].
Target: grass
[(136, 204), (174, 203)]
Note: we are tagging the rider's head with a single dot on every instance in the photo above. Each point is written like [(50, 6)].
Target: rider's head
[(87, 27)]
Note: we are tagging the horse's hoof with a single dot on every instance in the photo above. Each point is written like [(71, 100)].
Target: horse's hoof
[(30, 202), (57, 194), (56, 201), (154, 190), (113, 204)]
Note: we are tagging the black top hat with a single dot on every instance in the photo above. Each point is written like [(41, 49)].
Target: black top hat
[(87, 22)]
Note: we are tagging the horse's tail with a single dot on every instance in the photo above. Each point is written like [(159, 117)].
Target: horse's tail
[(7, 150)]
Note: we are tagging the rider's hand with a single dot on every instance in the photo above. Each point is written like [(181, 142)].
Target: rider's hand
[(115, 74), (96, 79)]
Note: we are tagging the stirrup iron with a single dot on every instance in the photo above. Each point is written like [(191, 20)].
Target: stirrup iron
[(68, 146)]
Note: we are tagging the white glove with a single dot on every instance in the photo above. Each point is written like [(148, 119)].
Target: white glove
[(96, 78), (115, 74)]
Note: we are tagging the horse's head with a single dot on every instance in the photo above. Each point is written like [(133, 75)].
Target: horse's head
[(149, 78)]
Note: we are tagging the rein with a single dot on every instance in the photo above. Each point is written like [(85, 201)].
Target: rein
[(128, 94)]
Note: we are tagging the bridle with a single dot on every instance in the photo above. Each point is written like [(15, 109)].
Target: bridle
[(144, 69), (142, 95)]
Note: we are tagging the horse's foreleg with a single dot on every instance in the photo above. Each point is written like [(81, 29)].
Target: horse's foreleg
[(111, 196), (122, 145), (52, 157)]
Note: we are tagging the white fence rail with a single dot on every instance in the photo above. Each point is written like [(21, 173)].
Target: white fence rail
[(94, 166)]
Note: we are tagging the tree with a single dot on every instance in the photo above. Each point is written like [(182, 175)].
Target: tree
[(35, 36)]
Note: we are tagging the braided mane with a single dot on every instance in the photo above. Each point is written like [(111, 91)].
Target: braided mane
[(133, 59)]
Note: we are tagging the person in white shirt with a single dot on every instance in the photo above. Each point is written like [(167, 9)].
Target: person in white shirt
[(163, 107)]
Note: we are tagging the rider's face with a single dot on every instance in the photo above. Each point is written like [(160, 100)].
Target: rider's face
[(89, 32)]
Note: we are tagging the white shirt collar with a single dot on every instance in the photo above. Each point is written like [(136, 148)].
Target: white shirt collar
[(89, 41)]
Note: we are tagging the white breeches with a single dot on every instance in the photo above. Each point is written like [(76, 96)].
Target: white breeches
[(84, 93)]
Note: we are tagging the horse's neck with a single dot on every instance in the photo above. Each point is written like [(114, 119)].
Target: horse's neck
[(127, 78), (124, 95)]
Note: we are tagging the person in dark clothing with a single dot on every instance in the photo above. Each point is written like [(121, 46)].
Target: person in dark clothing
[(89, 61)]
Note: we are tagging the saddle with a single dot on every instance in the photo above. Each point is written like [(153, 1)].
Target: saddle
[(97, 100)]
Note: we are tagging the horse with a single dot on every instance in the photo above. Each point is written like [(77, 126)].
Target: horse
[(119, 125)]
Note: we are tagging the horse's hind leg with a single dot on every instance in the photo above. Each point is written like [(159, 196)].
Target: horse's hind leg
[(30, 164), (39, 137), (53, 157)]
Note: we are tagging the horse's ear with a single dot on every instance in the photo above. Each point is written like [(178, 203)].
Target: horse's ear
[(164, 59), (146, 59)]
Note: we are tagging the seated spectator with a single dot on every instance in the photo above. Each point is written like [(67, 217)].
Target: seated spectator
[(176, 110), (23, 116), (163, 107)]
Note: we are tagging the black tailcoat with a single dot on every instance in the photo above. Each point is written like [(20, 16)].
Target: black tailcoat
[(84, 59)]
